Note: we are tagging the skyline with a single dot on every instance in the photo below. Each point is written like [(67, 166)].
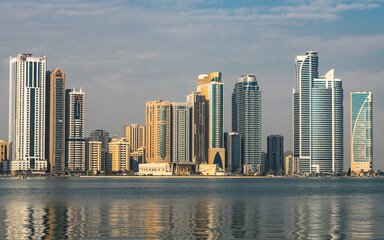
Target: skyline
[(132, 62)]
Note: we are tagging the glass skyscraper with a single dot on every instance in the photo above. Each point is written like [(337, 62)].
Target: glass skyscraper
[(361, 131), (211, 86), (317, 117), (246, 120)]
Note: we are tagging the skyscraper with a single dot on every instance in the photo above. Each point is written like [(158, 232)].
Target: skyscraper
[(232, 142), (198, 125), (212, 88), (158, 132), (361, 131), (57, 120), (75, 142), (135, 135), (27, 109), (317, 117), (180, 132), (275, 153), (246, 120)]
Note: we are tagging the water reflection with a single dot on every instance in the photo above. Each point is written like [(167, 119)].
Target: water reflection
[(299, 217)]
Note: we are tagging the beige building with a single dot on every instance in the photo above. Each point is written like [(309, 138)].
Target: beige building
[(135, 135), (291, 165), (119, 154), (158, 131), (3, 151), (94, 156), (57, 120), (211, 86)]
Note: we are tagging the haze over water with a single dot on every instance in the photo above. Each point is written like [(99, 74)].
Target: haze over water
[(191, 208)]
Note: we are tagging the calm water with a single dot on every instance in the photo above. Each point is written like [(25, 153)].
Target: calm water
[(188, 208)]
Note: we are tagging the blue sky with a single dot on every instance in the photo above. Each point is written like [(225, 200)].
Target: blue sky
[(124, 53)]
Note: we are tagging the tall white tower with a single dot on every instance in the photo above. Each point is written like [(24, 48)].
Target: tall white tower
[(27, 109), (75, 142)]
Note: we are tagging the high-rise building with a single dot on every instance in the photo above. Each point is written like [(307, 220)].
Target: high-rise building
[(93, 155), (275, 153), (158, 132), (56, 120), (232, 144), (211, 86), (27, 112), (119, 154), (180, 132), (246, 120), (103, 137), (361, 131), (317, 117), (75, 142), (199, 126), (135, 135)]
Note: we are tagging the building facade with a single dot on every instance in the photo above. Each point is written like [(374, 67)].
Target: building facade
[(93, 154), (232, 144), (275, 154), (75, 142), (361, 116), (57, 121), (198, 125), (246, 120), (158, 131), (135, 135), (27, 112), (103, 137), (317, 117), (211, 86), (119, 154), (180, 132)]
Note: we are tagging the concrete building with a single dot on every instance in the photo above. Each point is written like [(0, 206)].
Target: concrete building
[(246, 120), (199, 127), (119, 154), (3, 154), (275, 153), (135, 135), (361, 128), (136, 158), (180, 132), (56, 111), (232, 144), (317, 117), (27, 112), (103, 137), (75, 142), (211, 86), (93, 154), (158, 131)]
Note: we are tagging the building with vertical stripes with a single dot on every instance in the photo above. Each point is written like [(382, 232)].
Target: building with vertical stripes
[(56, 120), (158, 131), (75, 141), (361, 116), (180, 132), (27, 112), (246, 120), (317, 117), (211, 86)]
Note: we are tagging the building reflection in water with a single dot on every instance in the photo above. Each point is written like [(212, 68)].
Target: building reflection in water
[(318, 217)]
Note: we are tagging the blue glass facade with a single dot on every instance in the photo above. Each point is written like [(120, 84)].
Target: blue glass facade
[(317, 117), (246, 118), (361, 131)]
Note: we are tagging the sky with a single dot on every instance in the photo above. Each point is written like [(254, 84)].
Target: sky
[(125, 53)]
